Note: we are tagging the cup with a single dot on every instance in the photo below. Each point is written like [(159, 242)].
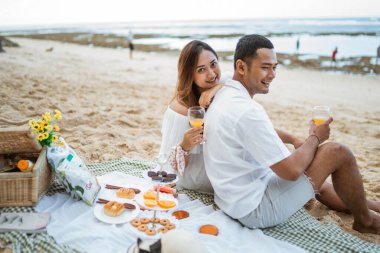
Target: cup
[(320, 114)]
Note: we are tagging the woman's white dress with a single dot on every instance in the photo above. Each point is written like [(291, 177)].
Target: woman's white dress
[(194, 177)]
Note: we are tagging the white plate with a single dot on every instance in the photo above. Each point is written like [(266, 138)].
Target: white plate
[(145, 175), (163, 196), (149, 214), (126, 216)]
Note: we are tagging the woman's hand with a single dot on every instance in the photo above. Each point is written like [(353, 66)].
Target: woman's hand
[(191, 138), (208, 95)]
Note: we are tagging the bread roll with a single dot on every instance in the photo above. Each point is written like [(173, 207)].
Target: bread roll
[(125, 193), (113, 208)]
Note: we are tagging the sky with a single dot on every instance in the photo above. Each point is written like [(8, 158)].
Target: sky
[(48, 12)]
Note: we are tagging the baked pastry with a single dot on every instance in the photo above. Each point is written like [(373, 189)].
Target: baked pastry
[(209, 229), (155, 220), (135, 223), (162, 230), (164, 222), (125, 193), (170, 226), (144, 220), (142, 227), (113, 208), (150, 202), (150, 231)]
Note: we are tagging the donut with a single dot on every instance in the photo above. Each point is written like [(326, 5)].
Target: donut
[(135, 223), (162, 230), (164, 222), (142, 227), (150, 231), (144, 220), (155, 220), (170, 226)]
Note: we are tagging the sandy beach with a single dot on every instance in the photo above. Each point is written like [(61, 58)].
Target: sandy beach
[(113, 106)]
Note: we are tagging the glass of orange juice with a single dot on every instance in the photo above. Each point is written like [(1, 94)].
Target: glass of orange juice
[(321, 114), (196, 116)]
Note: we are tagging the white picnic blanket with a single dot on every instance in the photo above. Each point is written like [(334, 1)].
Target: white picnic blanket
[(73, 223)]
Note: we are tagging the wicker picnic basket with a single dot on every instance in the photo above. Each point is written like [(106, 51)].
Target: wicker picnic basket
[(23, 188)]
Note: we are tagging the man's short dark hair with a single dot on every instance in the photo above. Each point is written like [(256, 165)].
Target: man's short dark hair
[(247, 47)]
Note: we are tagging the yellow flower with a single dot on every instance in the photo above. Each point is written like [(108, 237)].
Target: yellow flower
[(35, 128), (46, 135), (62, 143), (54, 138), (58, 116), (41, 129), (46, 116), (48, 128), (56, 128), (32, 122), (40, 137)]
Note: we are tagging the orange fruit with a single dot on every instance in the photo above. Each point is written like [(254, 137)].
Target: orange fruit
[(166, 204), (150, 202), (150, 195)]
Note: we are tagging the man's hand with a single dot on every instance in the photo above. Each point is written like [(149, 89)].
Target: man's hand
[(322, 131), (297, 143)]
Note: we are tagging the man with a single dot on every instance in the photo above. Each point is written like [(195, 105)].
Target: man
[(255, 178)]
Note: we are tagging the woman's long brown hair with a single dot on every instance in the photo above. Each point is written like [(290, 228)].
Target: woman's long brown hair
[(186, 90)]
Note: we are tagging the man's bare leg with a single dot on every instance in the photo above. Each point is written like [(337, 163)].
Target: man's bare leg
[(337, 160), (328, 196)]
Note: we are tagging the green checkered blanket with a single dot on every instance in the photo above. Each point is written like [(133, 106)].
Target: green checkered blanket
[(301, 229)]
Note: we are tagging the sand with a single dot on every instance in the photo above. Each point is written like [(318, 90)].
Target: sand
[(113, 106)]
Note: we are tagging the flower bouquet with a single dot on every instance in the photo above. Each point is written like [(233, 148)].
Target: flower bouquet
[(70, 170)]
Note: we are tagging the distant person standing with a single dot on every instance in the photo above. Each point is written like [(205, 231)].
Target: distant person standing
[(297, 45), (1, 45), (378, 54), (333, 56), (130, 44)]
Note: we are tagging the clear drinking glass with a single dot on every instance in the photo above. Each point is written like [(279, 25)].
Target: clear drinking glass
[(196, 116), (321, 114)]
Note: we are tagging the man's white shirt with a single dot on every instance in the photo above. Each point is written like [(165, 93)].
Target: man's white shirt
[(241, 146)]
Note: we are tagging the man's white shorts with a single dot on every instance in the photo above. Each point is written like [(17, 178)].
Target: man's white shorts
[(281, 199)]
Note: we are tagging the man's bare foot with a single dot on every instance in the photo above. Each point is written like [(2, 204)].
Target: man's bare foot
[(373, 227)]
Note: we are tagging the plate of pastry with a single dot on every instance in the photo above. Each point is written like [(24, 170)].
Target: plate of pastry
[(164, 202), (163, 222), (114, 212)]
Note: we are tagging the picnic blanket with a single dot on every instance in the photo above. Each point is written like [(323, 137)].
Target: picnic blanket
[(302, 229)]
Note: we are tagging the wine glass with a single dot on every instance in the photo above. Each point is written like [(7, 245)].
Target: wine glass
[(196, 116), (161, 159), (320, 114)]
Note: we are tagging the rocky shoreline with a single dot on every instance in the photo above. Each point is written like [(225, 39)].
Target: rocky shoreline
[(351, 65)]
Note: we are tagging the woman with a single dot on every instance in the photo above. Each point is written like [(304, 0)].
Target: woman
[(198, 77)]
